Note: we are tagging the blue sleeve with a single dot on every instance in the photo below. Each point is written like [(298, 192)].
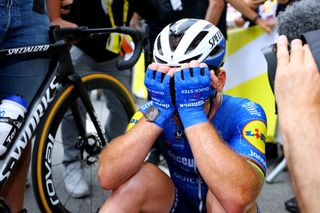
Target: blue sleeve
[(249, 137)]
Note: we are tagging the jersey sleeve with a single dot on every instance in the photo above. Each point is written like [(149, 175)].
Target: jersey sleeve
[(250, 135), (138, 115), (134, 120)]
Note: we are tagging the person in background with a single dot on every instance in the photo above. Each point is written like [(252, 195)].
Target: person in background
[(218, 9), (268, 9), (96, 54), (213, 143), (21, 25), (302, 88)]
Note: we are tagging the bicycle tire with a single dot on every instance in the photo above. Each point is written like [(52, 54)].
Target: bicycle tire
[(47, 173)]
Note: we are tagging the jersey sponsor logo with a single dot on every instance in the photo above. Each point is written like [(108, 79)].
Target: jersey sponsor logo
[(252, 108), (179, 134), (182, 160), (134, 120), (258, 157), (255, 133), (187, 179)]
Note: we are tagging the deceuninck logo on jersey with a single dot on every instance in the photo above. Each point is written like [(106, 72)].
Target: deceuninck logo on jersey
[(255, 133)]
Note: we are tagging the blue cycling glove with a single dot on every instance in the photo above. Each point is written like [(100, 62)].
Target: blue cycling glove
[(145, 107), (158, 86), (193, 88)]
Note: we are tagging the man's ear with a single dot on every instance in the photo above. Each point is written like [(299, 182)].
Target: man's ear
[(222, 76)]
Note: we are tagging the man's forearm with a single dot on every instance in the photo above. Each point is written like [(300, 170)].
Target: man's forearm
[(302, 152), (214, 11), (243, 8), (53, 9), (123, 157), (54, 12), (220, 167)]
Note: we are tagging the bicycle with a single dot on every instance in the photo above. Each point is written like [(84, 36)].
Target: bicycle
[(62, 90)]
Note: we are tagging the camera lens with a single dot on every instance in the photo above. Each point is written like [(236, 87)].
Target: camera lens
[(270, 54)]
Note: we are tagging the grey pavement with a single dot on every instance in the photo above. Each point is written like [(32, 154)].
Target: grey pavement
[(271, 199)]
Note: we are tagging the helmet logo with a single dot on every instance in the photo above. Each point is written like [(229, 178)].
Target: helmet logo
[(215, 39)]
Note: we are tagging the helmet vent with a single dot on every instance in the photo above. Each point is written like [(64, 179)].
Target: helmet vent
[(196, 41), (159, 61), (159, 45), (216, 50), (175, 40), (190, 59)]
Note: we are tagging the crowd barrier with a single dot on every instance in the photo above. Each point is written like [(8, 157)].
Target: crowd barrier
[(246, 70)]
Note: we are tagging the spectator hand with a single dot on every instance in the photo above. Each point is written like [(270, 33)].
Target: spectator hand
[(297, 82), (266, 25), (254, 3), (193, 88), (157, 82), (62, 23)]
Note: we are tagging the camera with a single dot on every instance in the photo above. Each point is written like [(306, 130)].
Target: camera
[(312, 38)]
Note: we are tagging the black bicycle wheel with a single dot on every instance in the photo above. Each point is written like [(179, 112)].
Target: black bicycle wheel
[(48, 170)]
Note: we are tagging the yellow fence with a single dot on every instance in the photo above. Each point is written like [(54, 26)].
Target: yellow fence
[(247, 70)]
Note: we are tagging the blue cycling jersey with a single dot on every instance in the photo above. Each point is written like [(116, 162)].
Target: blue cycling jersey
[(239, 122)]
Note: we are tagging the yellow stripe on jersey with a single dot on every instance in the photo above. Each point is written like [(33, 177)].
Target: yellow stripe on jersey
[(134, 120), (257, 168)]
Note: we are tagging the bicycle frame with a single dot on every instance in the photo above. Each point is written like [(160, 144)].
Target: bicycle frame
[(60, 74)]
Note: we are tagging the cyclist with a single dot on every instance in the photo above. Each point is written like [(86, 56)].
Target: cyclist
[(158, 14), (213, 143)]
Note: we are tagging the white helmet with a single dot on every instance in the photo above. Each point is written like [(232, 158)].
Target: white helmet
[(190, 39)]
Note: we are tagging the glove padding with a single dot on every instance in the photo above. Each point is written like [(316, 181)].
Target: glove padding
[(193, 88), (158, 86)]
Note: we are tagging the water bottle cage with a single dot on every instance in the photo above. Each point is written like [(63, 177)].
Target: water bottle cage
[(15, 123)]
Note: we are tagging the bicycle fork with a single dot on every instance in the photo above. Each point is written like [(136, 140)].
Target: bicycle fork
[(77, 82)]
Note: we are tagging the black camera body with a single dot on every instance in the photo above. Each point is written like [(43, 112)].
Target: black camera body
[(312, 38)]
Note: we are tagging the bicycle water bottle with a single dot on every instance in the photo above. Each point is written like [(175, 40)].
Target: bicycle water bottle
[(12, 111)]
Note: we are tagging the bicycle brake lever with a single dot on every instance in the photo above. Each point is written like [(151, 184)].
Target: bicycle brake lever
[(138, 38)]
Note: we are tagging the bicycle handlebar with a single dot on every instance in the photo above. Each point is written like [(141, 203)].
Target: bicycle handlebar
[(81, 33)]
